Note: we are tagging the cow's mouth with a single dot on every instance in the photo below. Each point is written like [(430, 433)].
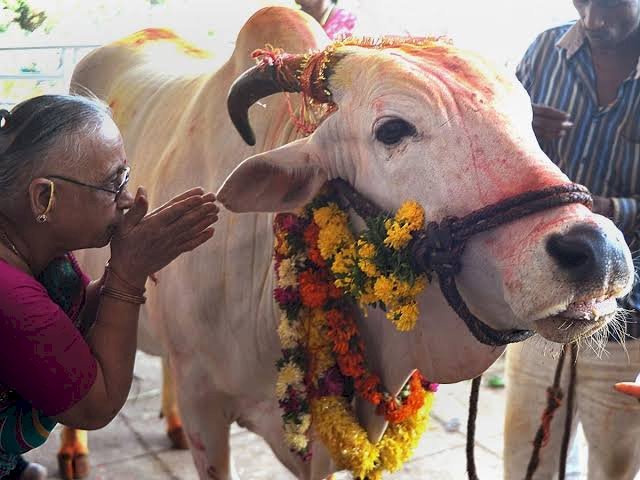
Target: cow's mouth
[(579, 319)]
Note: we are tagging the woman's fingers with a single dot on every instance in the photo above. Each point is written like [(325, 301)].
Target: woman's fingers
[(188, 219), (135, 214), (195, 228), (198, 240), (194, 192), (628, 388)]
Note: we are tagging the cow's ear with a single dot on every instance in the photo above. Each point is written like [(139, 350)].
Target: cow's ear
[(275, 181)]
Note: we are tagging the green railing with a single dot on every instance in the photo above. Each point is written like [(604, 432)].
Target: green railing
[(28, 70)]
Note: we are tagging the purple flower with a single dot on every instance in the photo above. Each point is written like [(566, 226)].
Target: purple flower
[(288, 222), (286, 296), (332, 383), (431, 387)]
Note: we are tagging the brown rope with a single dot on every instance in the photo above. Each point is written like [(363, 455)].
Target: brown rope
[(554, 399), (471, 427), (570, 406)]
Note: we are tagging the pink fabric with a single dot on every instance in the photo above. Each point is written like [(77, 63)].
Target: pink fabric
[(340, 22), (43, 357)]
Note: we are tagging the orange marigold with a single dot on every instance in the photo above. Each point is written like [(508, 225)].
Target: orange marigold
[(313, 290)]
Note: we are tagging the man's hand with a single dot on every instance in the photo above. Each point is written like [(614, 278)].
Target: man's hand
[(550, 123)]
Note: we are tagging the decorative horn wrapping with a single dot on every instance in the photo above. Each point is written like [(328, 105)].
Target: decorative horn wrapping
[(273, 74)]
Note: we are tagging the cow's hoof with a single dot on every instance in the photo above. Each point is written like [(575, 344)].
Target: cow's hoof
[(73, 467), (178, 439)]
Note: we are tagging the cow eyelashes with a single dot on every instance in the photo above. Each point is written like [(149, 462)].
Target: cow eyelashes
[(392, 131)]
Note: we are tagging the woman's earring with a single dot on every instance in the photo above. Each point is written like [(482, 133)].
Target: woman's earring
[(42, 218)]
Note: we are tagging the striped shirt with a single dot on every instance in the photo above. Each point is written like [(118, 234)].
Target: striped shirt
[(602, 149)]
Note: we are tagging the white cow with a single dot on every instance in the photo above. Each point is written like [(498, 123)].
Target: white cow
[(430, 123)]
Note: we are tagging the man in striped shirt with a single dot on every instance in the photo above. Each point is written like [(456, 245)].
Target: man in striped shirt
[(584, 83)]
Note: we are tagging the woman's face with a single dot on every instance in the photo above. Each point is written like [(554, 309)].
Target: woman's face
[(83, 215)]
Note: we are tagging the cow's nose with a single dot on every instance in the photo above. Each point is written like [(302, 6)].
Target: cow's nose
[(585, 253)]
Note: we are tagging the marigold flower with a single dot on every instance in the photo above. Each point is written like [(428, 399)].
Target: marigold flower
[(296, 441), (313, 291), (398, 236), (404, 317), (411, 214)]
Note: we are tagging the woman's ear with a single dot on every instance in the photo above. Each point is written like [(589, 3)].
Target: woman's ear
[(41, 198)]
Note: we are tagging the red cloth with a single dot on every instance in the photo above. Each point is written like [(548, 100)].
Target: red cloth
[(43, 357), (340, 22)]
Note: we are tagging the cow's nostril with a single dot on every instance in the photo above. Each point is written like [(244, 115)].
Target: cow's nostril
[(566, 254), (581, 252)]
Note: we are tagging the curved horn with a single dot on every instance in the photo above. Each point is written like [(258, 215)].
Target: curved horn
[(258, 82)]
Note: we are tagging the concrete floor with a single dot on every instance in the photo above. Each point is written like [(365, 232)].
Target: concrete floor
[(134, 445)]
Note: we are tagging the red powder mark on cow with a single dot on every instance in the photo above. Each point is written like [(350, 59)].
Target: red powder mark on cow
[(149, 35), (112, 105), (196, 441)]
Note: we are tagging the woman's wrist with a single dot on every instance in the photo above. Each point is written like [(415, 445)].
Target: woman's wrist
[(134, 283)]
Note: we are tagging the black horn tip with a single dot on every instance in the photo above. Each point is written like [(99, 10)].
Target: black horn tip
[(248, 136)]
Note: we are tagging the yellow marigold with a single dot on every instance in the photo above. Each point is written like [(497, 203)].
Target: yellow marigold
[(290, 374), (314, 326), (394, 453), (344, 260), (404, 317), (398, 236), (332, 237), (345, 283), (411, 214), (366, 250), (384, 289), (367, 297), (345, 439), (282, 247), (328, 214), (305, 422), (297, 441), (368, 268), (418, 286)]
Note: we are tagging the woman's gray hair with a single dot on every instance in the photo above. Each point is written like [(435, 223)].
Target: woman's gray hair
[(41, 126)]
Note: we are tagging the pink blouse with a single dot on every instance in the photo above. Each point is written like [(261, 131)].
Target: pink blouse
[(43, 357), (340, 22)]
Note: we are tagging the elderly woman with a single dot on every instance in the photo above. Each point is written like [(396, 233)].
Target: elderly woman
[(67, 345)]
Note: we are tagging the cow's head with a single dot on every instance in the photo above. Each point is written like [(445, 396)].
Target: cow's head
[(432, 123)]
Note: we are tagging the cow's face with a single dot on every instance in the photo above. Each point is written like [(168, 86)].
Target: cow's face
[(442, 127)]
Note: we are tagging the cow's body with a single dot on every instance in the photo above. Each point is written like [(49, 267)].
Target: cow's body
[(212, 312)]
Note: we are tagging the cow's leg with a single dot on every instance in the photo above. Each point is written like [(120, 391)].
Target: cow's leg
[(73, 456), (206, 421), (170, 411), (529, 374), (611, 421), (265, 420)]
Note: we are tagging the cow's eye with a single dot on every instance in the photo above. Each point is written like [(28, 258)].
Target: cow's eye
[(394, 130)]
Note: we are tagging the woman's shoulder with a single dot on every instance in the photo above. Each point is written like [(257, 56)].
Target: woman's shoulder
[(12, 278)]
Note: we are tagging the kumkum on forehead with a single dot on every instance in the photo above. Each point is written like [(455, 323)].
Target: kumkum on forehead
[(144, 37), (468, 73)]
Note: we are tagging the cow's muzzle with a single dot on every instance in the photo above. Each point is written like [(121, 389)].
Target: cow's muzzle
[(437, 250)]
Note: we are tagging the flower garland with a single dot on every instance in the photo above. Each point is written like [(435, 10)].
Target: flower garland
[(321, 268)]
